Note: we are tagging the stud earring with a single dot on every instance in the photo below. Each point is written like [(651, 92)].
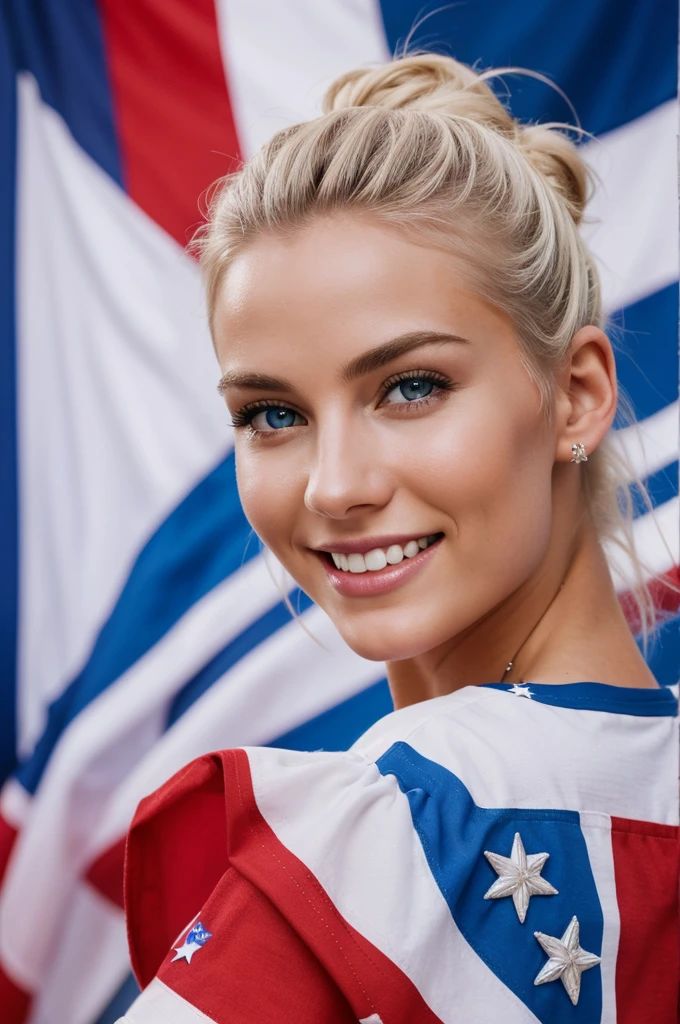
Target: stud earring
[(579, 453)]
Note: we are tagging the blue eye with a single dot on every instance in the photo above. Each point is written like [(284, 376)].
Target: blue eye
[(274, 418), (409, 389)]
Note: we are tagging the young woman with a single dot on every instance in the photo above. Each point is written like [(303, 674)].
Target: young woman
[(410, 337)]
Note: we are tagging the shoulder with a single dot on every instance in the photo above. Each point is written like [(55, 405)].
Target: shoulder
[(579, 746)]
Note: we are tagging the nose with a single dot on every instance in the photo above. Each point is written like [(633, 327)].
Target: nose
[(348, 474)]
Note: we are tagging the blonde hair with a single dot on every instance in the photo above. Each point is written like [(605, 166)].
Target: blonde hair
[(424, 144)]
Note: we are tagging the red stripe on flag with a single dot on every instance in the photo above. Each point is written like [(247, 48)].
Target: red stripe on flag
[(646, 869), (15, 1002), (171, 103), (106, 873), (665, 592), (8, 837)]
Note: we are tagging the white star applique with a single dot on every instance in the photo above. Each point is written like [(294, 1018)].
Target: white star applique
[(186, 951), (520, 690), (195, 940), (567, 960), (520, 877)]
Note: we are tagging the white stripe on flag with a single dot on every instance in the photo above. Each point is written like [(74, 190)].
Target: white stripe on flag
[(286, 680), (90, 961), (15, 804), (634, 234), (651, 444), (97, 751), (118, 412), (656, 541), (280, 58)]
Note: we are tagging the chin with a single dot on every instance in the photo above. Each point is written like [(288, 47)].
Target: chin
[(386, 638)]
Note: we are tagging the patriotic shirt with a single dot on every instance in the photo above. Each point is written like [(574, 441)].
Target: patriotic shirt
[(503, 854)]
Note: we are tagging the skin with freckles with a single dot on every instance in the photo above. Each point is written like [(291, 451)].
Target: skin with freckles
[(376, 395)]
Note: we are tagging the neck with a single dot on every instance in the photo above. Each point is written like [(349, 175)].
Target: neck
[(564, 624)]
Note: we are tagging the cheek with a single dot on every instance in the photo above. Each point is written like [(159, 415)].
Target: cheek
[(489, 470), (269, 494)]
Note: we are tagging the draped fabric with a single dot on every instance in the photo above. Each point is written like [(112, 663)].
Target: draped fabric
[(389, 874)]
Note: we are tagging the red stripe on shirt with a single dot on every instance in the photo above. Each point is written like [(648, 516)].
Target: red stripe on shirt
[(255, 967), (171, 104), (176, 853), (364, 974), (646, 869)]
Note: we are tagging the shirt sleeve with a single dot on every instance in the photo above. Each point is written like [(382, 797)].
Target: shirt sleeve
[(254, 967), (224, 908)]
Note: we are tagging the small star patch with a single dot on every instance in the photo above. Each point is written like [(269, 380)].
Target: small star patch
[(520, 690), (195, 940)]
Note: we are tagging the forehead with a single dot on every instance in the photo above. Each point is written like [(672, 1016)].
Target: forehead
[(334, 265), (346, 283)]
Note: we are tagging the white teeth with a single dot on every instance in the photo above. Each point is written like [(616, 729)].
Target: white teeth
[(394, 554), (375, 559)]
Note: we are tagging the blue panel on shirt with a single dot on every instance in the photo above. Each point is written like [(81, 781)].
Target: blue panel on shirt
[(455, 832)]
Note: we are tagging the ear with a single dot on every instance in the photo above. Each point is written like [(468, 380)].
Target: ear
[(586, 403)]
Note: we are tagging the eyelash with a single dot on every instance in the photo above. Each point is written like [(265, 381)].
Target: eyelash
[(245, 416)]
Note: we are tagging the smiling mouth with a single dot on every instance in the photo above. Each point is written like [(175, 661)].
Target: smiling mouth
[(380, 558)]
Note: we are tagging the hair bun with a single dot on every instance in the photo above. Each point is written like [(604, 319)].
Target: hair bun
[(558, 160), (429, 82), (441, 85)]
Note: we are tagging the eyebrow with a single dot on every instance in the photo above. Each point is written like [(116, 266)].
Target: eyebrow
[(362, 365)]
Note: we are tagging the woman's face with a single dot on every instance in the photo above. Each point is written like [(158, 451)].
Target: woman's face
[(381, 406)]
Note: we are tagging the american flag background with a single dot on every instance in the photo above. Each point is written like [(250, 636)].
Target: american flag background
[(142, 623)]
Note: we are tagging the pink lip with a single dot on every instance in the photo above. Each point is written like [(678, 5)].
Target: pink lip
[(369, 584), (361, 546)]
